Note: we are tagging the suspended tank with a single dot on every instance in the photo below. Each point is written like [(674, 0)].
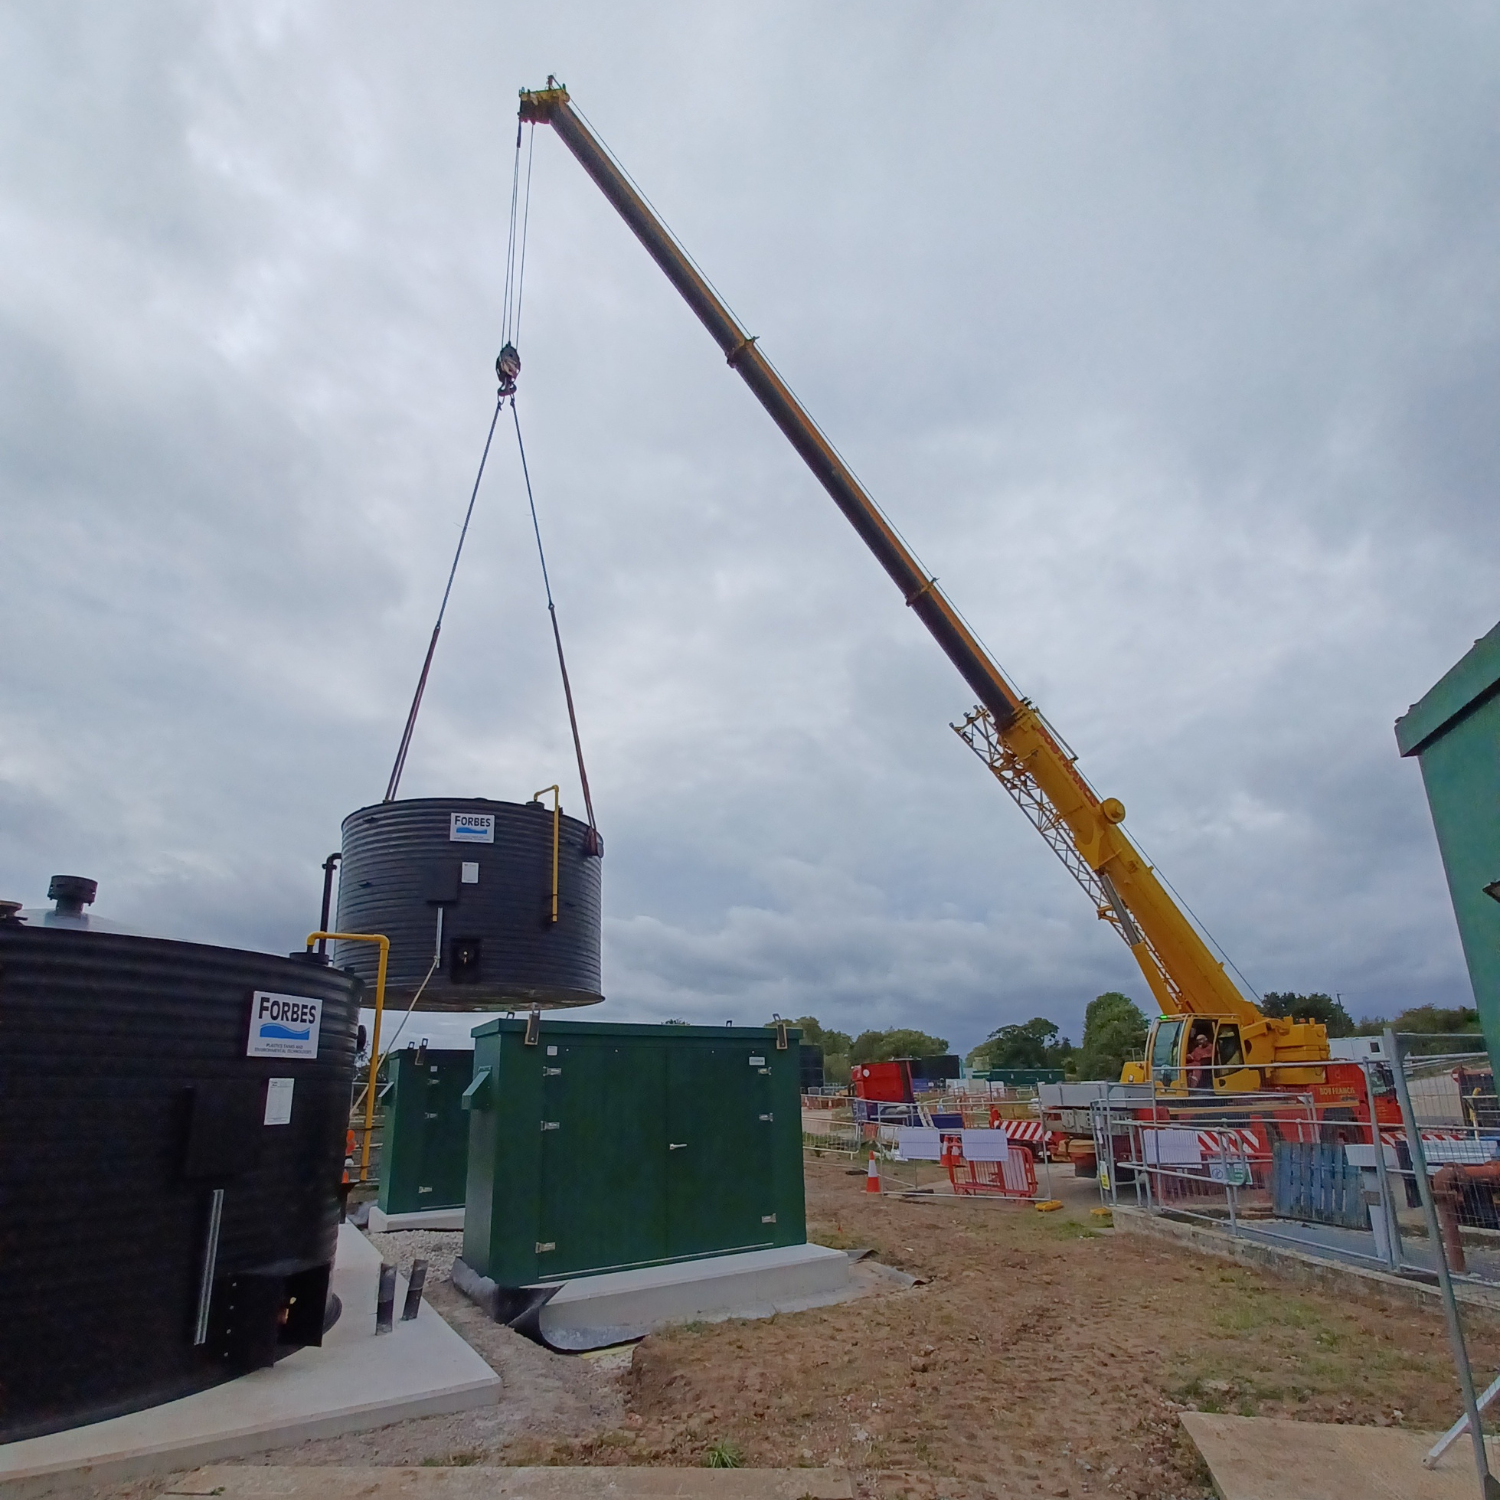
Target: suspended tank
[(464, 888), (173, 1118)]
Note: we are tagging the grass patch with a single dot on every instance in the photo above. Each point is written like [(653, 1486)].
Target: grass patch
[(724, 1455), (1068, 1229)]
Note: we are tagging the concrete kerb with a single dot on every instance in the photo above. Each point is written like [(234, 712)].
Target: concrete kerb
[(607, 1482), (1298, 1265)]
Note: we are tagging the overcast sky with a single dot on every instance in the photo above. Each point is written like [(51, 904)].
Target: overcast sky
[(1167, 334)]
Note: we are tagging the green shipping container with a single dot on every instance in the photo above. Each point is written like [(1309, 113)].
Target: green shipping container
[(424, 1130), (1026, 1078), (600, 1148), (1454, 731)]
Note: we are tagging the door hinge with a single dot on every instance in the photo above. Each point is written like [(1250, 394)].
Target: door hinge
[(768, 1218), (768, 1117), (551, 1124), (762, 1070), (551, 1072), (676, 1145), (430, 1114), (543, 1246)]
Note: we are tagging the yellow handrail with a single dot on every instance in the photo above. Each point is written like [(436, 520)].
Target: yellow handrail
[(556, 835), (385, 953)]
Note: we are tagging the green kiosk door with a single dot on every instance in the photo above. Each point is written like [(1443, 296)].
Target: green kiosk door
[(603, 1179), (720, 1194)]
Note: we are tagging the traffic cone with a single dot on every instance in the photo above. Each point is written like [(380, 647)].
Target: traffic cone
[(872, 1177)]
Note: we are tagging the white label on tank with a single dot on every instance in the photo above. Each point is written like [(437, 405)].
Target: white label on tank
[(757, 1062), (468, 872), (471, 828), (551, 1051), (283, 1025), (279, 1101)]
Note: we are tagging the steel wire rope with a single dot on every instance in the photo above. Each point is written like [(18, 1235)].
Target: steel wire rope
[(510, 245), (515, 331), (562, 664), (416, 702), (509, 318)]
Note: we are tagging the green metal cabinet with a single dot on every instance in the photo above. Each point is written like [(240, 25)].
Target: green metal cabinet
[(425, 1130), (598, 1148), (1454, 731)]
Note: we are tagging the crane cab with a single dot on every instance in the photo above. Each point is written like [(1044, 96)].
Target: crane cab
[(1194, 1055)]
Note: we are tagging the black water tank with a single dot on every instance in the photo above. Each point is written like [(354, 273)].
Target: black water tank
[(486, 867), (128, 1101)]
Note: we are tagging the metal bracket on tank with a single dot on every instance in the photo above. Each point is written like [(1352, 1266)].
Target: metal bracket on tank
[(210, 1264), (781, 1041), (533, 1028)]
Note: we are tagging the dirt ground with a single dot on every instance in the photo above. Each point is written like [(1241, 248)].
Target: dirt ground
[(1042, 1355)]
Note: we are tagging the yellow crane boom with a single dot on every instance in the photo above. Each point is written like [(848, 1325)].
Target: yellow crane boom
[(1005, 730)]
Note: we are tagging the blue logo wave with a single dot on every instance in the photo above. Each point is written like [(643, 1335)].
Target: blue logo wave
[(285, 1033)]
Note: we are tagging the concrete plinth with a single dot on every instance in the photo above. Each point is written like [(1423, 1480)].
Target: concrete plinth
[(611, 1482), (356, 1381), (591, 1312), (381, 1222)]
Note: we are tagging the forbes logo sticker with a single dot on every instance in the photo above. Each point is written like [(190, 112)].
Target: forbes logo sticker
[(283, 1025), (471, 828)]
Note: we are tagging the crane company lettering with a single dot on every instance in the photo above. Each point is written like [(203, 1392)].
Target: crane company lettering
[(283, 1025)]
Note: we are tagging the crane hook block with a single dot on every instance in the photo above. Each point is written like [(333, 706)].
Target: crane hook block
[(507, 367)]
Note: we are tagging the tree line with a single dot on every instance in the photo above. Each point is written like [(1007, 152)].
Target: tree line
[(1114, 1033), (841, 1051)]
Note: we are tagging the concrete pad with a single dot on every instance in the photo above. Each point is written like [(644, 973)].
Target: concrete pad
[(612, 1482), (591, 1311), (1272, 1458), (354, 1382), (381, 1222)]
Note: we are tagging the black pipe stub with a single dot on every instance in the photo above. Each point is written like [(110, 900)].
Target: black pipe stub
[(72, 893)]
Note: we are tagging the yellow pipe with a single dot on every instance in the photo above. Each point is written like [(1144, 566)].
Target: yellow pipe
[(556, 835), (385, 953)]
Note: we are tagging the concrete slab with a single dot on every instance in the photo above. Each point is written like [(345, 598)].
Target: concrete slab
[(614, 1482), (591, 1311), (1272, 1458), (356, 1381), (381, 1222)]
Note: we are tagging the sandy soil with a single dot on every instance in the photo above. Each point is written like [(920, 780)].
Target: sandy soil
[(1042, 1356)]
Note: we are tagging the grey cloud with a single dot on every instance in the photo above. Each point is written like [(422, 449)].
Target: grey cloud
[(1168, 338)]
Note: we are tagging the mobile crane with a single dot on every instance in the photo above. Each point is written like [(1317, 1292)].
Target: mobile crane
[(1251, 1051)]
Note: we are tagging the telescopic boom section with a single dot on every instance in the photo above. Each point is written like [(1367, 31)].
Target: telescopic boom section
[(1005, 730)]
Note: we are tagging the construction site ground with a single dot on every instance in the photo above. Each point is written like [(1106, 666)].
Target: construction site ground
[(1041, 1354)]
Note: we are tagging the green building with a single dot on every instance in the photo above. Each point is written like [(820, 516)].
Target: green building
[(1454, 731), (597, 1148), (424, 1130)]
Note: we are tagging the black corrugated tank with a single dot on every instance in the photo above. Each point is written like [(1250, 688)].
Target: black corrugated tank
[(126, 1100), (404, 862)]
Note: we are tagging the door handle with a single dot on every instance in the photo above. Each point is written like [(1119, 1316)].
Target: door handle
[(676, 1145)]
